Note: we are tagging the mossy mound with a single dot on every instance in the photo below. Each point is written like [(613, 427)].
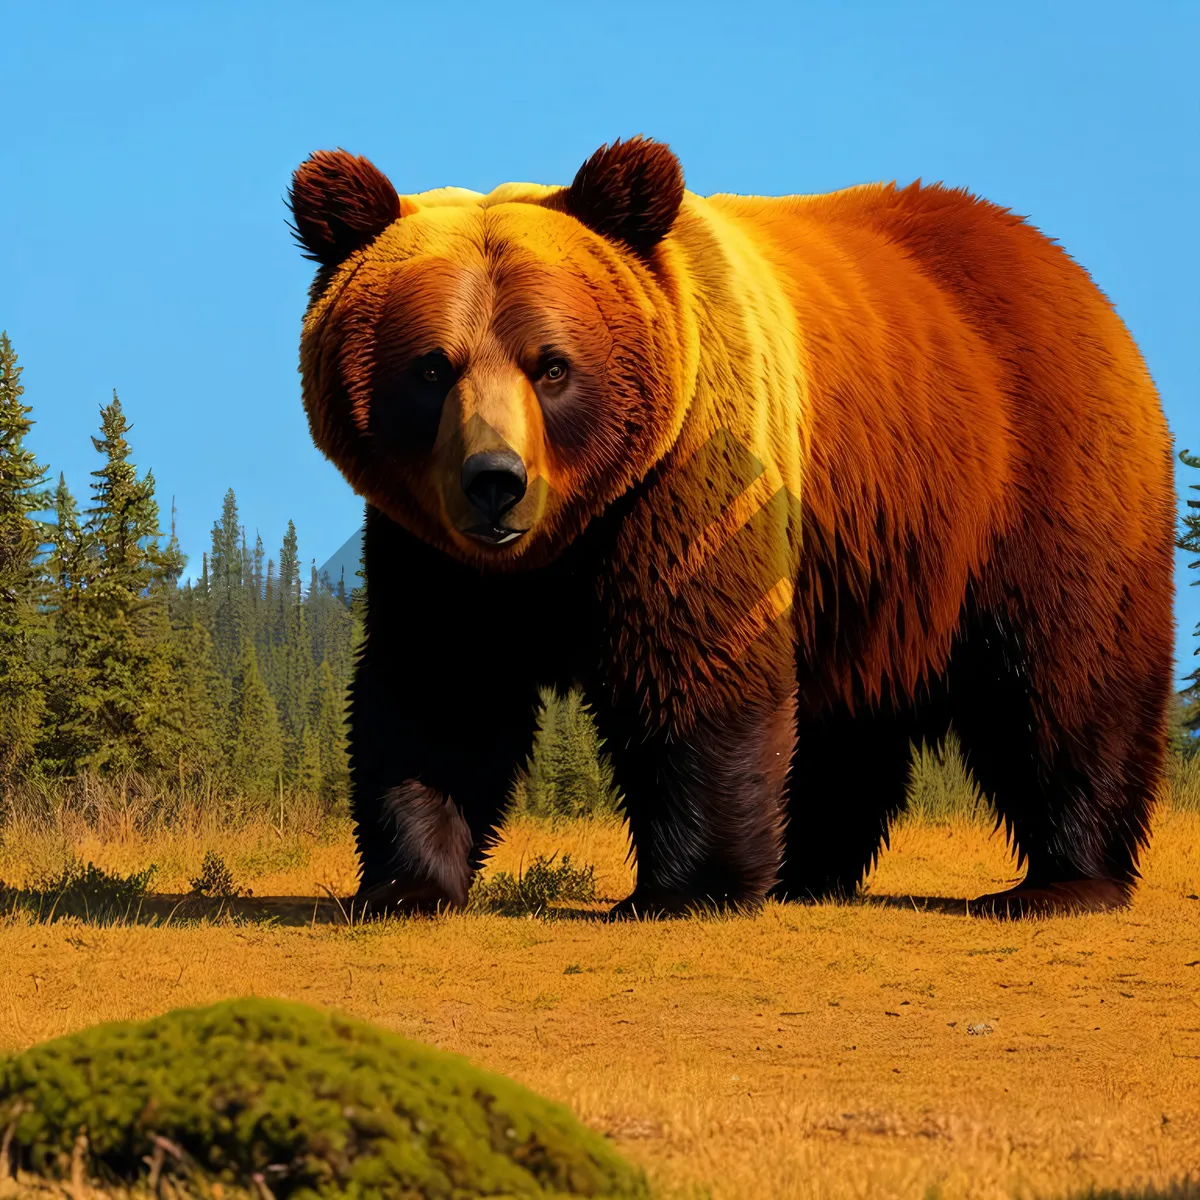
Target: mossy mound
[(311, 1103)]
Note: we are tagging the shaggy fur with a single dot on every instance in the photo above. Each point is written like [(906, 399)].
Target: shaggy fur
[(810, 477)]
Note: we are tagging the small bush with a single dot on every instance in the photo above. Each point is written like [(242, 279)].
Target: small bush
[(214, 878), (535, 889), (79, 891), (303, 1102)]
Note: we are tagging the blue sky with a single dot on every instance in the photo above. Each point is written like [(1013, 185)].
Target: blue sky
[(147, 149)]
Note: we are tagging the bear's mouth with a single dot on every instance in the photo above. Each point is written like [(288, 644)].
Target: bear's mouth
[(494, 535)]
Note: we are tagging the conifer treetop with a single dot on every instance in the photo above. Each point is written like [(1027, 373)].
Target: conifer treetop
[(22, 480), (123, 519)]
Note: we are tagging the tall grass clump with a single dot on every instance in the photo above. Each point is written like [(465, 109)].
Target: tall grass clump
[(1183, 776), (134, 805), (941, 789)]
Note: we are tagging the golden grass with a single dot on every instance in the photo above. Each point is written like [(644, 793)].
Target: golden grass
[(858, 1050), (293, 859)]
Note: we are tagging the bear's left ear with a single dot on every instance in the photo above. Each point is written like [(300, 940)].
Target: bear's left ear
[(629, 191), (339, 203)]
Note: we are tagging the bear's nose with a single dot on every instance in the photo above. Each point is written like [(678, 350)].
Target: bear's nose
[(494, 481)]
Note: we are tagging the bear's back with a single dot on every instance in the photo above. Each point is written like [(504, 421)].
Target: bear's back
[(975, 293), (966, 380)]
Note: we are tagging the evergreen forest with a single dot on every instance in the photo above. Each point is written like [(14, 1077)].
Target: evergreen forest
[(231, 685)]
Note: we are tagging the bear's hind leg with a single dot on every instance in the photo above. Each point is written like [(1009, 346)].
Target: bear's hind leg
[(848, 783), (1073, 781)]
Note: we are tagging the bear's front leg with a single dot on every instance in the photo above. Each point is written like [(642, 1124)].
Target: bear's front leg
[(706, 811), (442, 712), (429, 789), (416, 852)]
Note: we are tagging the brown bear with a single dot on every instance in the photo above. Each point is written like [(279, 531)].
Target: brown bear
[(784, 484)]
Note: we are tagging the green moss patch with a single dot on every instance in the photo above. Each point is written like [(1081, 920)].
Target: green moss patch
[(305, 1103)]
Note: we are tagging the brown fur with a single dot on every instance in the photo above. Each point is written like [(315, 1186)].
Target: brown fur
[(884, 459)]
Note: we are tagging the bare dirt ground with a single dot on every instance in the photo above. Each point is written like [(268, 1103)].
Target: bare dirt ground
[(874, 1049)]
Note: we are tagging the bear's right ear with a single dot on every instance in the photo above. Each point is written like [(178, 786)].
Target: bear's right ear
[(339, 203), (629, 191)]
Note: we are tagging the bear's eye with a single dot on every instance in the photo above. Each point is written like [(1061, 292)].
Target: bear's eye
[(434, 369)]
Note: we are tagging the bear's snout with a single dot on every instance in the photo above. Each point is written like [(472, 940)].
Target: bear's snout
[(494, 481)]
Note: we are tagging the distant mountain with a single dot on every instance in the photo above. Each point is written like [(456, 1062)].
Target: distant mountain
[(347, 559)]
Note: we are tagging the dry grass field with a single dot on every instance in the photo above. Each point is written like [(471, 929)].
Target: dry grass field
[(883, 1048)]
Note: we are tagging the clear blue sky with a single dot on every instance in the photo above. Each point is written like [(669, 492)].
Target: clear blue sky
[(147, 149)]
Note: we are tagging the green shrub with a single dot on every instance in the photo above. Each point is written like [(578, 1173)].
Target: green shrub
[(90, 892), (214, 878), (535, 889), (313, 1104)]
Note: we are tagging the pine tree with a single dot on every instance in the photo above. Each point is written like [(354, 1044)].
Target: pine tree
[(358, 606), (290, 668), (580, 782), (123, 519), (22, 483), (119, 644), (224, 558), (270, 608), (329, 722), (191, 603), (226, 583), (256, 572), (293, 677), (69, 548), (68, 676), (314, 605), (308, 769), (270, 601), (332, 626), (289, 567), (255, 746), (259, 612), (176, 560), (22, 630), (565, 775), (199, 714), (1189, 541), (288, 587)]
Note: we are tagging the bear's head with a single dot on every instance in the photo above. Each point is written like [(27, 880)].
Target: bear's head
[(492, 371)]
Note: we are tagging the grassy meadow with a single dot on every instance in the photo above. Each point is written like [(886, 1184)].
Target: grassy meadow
[(890, 1047)]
